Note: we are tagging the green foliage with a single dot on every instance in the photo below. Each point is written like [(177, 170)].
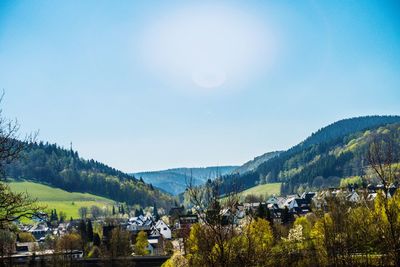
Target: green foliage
[(62, 168), (25, 237), (355, 180), (263, 190), (66, 203), (120, 244), (335, 151), (7, 240), (141, 244), (95, 252)]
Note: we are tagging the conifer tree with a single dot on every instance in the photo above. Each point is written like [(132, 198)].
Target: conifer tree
[(89, 230), (83, 231), (156, 216)]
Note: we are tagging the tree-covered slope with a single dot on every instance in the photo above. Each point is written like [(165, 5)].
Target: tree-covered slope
[(253, 164), (54, 198), (62, 168), (335, 151), (174, 181)]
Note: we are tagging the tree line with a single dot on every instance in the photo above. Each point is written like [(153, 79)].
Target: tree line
[(63, 168)]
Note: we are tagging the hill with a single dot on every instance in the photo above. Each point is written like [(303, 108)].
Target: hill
[(61, 200), (333, 152), (263, 190), (257, 161), (61, 168), (174, 180)]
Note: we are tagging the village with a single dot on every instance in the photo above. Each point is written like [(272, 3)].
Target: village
[(160, 235)]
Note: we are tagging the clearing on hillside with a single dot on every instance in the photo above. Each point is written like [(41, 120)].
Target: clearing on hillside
[(61, 200), (263, 189)]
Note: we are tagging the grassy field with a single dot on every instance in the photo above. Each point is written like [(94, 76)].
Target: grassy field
[(264, 189), (55, 198)]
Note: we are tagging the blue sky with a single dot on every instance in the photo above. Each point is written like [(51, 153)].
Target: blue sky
[(159, 84)]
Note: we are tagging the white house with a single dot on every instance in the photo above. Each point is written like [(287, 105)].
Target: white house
[(164, 229), (353, 197)]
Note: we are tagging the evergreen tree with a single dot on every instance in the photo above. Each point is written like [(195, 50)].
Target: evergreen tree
[(83, 231), (156, 216), (113, 210), (55, 215), (122, 209), (96, 239), (286, 217), (141, 212), (137, 213), (261, 211), (268, 216), (89, 230)]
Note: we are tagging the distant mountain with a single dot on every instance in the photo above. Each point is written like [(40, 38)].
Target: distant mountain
[(174, 181), (257, 161), (63, 168), (331, 153)]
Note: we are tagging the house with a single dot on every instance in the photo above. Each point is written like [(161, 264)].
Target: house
[(39, 231), (140, 223), (155, 246), (187, 220), (25, 247), (163, 229), (353, 197)]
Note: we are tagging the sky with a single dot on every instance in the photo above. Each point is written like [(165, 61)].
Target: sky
[(148, 85)]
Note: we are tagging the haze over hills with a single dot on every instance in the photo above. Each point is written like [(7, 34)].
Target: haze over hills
[(175, 180), (333, 152)]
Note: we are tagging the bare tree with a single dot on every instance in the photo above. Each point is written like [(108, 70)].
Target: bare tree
[(217, 220), (382, 157), (13, 206), (11, 142)]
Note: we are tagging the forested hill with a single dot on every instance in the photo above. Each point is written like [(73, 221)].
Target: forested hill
[(62, 168), (332, 153), (175, 180), (253, 164)]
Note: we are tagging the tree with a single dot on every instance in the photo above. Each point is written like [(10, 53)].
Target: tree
[(261, 211), (156, 216), (95, 211), (141, 244), (62, 216), (11, 144), (83, 211), (95, 252), (96, 239), (25, 237), (382, 157), (120, 244), (83, 231), (69, 242), (7, 241), (89, 231), (14, 206), (209, 242)]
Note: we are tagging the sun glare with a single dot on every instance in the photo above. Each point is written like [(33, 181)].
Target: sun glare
[(207, 46)]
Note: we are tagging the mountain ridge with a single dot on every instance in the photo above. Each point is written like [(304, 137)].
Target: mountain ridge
[(174, 180), (300, 164)]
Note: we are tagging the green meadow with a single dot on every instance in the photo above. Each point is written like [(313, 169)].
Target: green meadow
[(61, 200), (263, 189)]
